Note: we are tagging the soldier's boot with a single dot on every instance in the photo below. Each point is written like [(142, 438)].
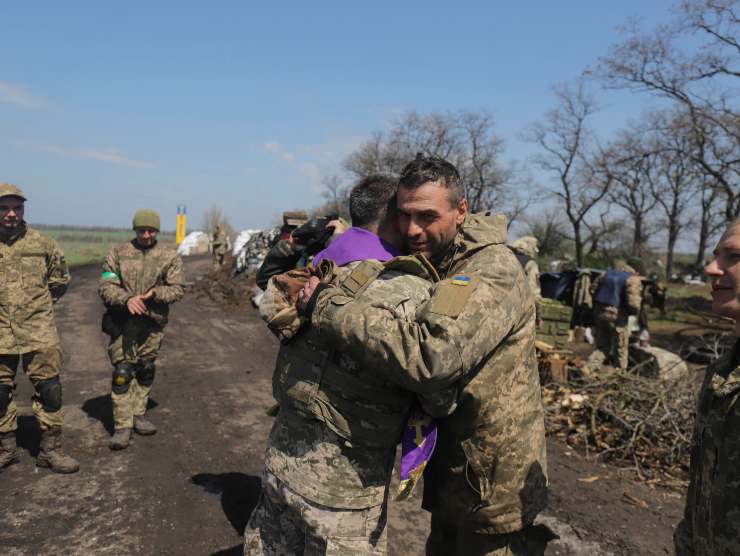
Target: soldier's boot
[(120, 440), (51, 454), (143, 426), (8, 450)]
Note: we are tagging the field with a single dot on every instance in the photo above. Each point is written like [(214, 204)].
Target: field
[(90, 245)]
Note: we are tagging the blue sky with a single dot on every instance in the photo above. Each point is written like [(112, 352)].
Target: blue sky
[(107, 107)]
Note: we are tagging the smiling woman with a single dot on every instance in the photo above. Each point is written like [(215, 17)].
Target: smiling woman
[(713, 499)]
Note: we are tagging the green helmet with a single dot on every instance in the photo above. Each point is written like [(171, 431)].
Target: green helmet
[(146, 218)]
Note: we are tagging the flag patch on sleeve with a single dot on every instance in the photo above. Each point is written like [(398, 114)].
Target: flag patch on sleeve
[(461, 280)]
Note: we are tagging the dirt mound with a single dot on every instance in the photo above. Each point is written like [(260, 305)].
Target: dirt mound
[(230, 292)]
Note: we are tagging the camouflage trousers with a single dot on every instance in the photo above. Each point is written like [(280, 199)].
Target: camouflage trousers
[(38, 365), (611, 339), (447, 539), (139, 340), (286, 523), (218, 259)]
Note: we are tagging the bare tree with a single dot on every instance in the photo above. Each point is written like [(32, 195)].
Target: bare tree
[(336, 195), (701, 79), (466, 139), (549, 229), (213, 217), (628, 163), (567, 144)]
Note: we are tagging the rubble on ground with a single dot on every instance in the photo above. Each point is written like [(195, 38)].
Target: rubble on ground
[(231, 292), (625, 418)]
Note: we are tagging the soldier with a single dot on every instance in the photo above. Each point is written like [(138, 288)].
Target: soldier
[(140, 280), (526, 250), (34, 276), (487, 481), (616, 294), (710, 525), (220, 244), (331, 451)]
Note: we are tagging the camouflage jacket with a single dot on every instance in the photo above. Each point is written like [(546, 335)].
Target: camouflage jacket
[(220, 242), (711, 523), (333, 444), (131, 270), (478, 328), (34, 275)]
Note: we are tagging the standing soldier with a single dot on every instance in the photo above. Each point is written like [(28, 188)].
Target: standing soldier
[(34, 276), (220, 245), (140, 280), (616, 295)]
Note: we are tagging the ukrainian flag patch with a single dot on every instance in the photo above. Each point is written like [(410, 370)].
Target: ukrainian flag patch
[(110, 276), (461, 280)]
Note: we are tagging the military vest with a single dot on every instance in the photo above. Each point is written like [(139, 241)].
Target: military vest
[(320, 383), (611, 289)]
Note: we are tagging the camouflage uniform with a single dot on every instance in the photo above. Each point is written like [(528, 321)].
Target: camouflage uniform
[(131, 270), (711, 523), (220, 246), (611, 333), (487, 480), (34, 275), (331, 450)]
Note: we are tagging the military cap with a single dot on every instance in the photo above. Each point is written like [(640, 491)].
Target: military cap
[(146, 218), (295, 217), (10, 190)]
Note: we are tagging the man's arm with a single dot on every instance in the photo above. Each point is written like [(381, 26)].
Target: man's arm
[(173, 289), (57, 273), (452, 335), (111, 288)]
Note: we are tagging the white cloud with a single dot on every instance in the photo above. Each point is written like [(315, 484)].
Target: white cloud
[(288, 157), (112, 156), (20, 96), (272, 146)]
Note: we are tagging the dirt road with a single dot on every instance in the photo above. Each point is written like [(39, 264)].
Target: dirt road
[(190, 488)]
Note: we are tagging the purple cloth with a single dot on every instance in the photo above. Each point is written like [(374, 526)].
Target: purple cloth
[(417, 446), (357, 244)]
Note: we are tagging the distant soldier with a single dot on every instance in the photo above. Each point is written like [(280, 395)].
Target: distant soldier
[(526, 250), (34, 276), (617, 294), (140, 280), (220, 245)]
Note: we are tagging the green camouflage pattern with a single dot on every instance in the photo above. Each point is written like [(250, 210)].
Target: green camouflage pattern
[(321, 446), (131, 270), (38, 365), (34, 275), (284, 522), (711, 523), (220, 245), (489, 470)]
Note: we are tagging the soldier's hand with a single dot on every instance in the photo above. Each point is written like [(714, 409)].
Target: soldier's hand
[(306, 292), (136, 305), (339, 227)]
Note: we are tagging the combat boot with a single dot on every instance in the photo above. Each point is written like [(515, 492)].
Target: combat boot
[(51, 454), (143, 426), (120, 439), (8, 451)]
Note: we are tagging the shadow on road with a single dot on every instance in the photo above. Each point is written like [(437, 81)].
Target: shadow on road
[(239, 495), (29, 434), (101, 408), (237, 550)]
